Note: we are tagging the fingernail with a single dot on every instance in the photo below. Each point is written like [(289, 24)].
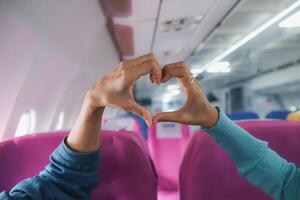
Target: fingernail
[(156, 79), (148, 123)]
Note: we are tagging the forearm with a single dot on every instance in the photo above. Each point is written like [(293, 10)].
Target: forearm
[(256, 162), (85, 134)]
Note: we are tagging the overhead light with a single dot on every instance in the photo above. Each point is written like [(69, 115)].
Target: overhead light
[(292, 21), (219, 67), (254, 34), (197, 70)]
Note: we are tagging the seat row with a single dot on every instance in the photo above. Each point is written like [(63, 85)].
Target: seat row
[(277, 114), (175, 166)]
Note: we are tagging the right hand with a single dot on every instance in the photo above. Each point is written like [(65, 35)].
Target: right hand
[(115, 88), (197, 110)]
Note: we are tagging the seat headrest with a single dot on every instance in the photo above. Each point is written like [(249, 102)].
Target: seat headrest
[(126, 170), (208, 173)]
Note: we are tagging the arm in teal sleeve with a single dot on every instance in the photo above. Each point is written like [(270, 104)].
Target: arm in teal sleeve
[(69, 175), (256, 162)]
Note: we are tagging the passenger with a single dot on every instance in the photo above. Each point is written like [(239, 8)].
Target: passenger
[(71, 173)]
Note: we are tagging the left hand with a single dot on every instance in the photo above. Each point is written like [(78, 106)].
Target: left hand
[(115, 88)]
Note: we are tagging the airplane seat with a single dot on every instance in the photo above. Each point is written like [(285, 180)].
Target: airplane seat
[(140, 125), (277, 114), (243, 115), (193, 128), (167, 142), (207, 172), (125, 123), (126, 170)]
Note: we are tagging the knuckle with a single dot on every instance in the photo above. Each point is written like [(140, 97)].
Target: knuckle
[(168, 67), (152, 63), (181, 64), (151, 55)]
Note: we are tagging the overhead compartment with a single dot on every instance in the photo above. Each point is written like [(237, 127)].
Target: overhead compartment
[(275, 80)]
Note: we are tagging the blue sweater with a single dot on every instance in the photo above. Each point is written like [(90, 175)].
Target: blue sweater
[(72, 175), (69, 176), (256, 162)]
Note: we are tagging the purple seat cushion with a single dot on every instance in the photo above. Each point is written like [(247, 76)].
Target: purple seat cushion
[(208, 173), (126, 170)]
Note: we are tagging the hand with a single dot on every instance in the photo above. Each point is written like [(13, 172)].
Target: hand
[(197, 110), (115, 88)]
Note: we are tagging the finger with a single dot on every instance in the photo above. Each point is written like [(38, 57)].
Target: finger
[(138, 110), (174, 116), (149, 67), (178, 70), (139, 60)]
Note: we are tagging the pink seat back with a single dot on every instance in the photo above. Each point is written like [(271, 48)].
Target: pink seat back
[(167, 143), (126, 170), (208, 173)]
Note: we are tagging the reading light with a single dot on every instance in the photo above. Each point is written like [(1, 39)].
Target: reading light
[(254, 34)]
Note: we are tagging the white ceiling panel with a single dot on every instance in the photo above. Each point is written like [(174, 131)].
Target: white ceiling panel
[(188, 37), (144, 10), (142, 34), (174, 9), (235, 23)]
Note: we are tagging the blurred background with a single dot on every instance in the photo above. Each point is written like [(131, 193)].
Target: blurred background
[(244, 53)]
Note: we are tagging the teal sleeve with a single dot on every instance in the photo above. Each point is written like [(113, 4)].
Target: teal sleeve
[(255, 161), (69, 175)]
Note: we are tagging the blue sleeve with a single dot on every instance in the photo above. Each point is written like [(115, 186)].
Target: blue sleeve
[(255, 161), (70, 175)]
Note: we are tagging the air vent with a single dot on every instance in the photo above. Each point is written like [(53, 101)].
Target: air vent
[(173, 52), (180, 24)]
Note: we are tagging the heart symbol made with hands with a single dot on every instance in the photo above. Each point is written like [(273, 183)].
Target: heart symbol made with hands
[(115, 90)]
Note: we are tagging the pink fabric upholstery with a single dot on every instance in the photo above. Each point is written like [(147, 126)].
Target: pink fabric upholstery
[(207, 173), (167, 154), (167, 195), (126, 170)]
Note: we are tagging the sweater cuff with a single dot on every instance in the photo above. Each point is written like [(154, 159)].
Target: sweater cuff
[(244, 149), (70, 158)]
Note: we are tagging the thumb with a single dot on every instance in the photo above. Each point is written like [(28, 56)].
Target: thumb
[(167, 117), (140, 111)]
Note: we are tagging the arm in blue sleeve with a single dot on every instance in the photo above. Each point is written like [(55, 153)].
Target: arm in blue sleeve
[(69, 175), (256, 162)]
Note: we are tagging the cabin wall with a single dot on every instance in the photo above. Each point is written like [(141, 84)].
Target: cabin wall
[(50, 52)]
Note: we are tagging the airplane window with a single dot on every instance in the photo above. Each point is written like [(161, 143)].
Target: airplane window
[(60, 121), (26, 124)]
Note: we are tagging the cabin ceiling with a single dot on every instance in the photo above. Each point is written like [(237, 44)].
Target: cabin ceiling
[(194, 31)]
